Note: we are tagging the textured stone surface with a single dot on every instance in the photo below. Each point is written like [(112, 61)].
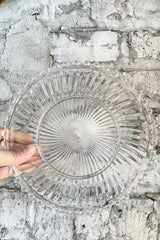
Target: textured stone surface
[(5, 91), (145, 45), (35, 35), (80, 47), (126, 15), (128, 220), (21, 219), (26, 48)]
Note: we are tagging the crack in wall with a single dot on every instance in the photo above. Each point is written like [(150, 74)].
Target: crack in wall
[(74, 230), (6, 33), (120, 40), (13, 189)]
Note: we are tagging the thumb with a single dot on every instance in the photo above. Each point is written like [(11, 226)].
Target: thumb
[(16, 156)]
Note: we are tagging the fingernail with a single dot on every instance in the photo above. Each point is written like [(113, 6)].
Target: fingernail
[(41, 149), (29, 149)]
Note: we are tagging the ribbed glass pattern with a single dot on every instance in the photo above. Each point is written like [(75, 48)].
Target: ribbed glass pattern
[(93, 132)]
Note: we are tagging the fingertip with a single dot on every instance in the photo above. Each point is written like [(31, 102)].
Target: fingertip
[(31, 169), (26, 153), (29, 149)]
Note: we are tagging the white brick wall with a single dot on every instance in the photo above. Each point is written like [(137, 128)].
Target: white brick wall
[(35, 35), (26, 48), (126, 15), (145, 45), (101, 47)]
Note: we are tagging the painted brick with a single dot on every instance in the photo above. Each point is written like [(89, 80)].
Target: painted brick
[(101, 47), (145, 45)]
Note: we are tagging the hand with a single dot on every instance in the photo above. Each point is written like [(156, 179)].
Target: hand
[(21, 153)]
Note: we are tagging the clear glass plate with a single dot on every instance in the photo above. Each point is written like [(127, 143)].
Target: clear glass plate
[(94, 131)]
